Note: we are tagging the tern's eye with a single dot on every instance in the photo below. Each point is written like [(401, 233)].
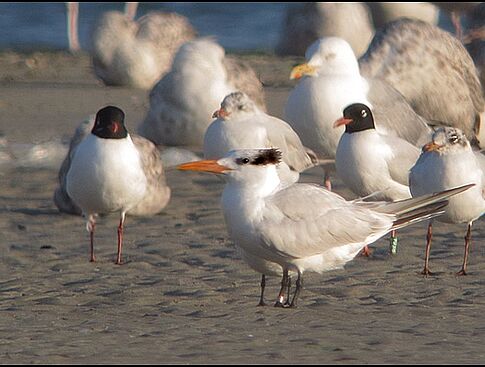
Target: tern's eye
[(241, 161), (363, 113)]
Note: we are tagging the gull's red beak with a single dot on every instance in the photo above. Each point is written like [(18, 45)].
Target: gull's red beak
[(220, 113), (431, 147), (342, 121)]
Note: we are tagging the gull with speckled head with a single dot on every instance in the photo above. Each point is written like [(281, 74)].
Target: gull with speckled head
[(303, 227), (241, 124), (448, 160)]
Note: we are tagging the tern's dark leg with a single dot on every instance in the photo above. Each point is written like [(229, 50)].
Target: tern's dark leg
[(429, 236), (468, 238), (91, 225), (284, 285), (299, 284), (263, 285), (287, 303), (120, 239)]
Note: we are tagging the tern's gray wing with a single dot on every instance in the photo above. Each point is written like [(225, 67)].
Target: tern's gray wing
[(404, 157), (394, 116), (282, 136), (304, 220)]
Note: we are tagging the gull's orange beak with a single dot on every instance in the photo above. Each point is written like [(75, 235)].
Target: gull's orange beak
[(220, 113), (431, 147), (342, 121), (204, 166), (301, 70)]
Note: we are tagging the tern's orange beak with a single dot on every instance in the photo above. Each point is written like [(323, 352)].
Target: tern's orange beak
[(220, 113), (301, 70), (342, 121), (431, 147), (204, 166)]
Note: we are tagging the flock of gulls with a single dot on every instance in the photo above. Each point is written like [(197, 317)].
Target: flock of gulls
[(400, 126)]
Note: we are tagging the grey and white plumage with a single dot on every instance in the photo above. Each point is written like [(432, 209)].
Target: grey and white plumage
[(158, 192), (183, 101), (307, 22), (385, 12), (302, 227), (431, 69), (137, 53), (240, 124), (330, 81), (446, 161), (371, 163)]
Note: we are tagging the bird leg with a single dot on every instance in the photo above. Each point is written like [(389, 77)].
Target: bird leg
[(130, 10), (299, 284), (326, 181), (120, 239), (468, 238), (72, 28), (90, 225), (287, 303), (429, 236), (263, 285), (393, 242), (284, 285)]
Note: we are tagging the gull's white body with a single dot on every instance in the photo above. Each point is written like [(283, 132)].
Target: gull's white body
[(369, 162), (106, 176)]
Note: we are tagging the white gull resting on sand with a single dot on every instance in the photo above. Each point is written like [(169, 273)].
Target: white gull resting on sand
[(109, 171), (432, 70), (137, 53), (183, 101), (448, 160), (303, 227), (240, 124)]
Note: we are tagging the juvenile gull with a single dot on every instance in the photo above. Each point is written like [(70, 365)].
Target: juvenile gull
[(448, 160), (183, 101)]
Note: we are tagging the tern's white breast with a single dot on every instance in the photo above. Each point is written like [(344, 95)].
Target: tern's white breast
[(106, 175)]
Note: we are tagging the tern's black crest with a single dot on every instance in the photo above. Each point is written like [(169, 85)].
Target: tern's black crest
[(110, 123), (361, 116), (261, 157)]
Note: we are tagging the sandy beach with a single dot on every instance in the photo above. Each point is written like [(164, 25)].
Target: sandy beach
[(184, 295)]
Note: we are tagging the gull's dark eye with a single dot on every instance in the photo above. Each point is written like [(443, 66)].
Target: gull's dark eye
[(453, 138), (363, 113)]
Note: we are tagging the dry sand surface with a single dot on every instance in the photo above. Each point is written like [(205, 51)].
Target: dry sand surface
[(184, 295)]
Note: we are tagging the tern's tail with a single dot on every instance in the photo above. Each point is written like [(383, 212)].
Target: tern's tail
[(420, 208)]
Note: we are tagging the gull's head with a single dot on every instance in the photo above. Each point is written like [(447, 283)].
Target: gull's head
[(447, 139), (356, 117), (110, 123), (204, 53), (235, 104), (327, 56), (247, 166)]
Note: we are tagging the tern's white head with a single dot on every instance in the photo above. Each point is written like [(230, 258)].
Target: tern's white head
[(235, 104), (247, 168), (328, 56), (447, 140)]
